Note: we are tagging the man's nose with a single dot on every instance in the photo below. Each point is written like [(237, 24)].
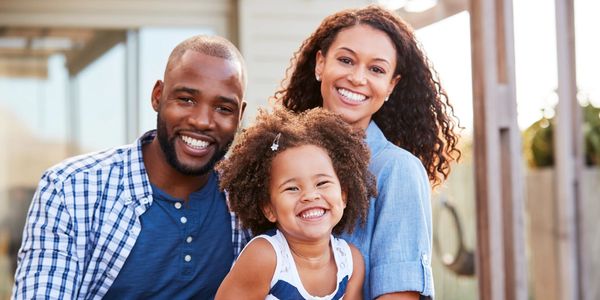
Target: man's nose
[(201, 117)]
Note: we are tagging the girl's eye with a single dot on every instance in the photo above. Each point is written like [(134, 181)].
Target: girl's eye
[(322, 183), (291, 188)]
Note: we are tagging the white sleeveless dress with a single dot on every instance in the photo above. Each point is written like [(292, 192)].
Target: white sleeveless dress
[(286, 283)]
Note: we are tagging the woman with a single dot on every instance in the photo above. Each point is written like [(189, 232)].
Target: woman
[(366, 65)]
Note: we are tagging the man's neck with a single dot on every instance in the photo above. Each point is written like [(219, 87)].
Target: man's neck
[(167, 178)]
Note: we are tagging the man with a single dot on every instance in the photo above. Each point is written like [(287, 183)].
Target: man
[(145, 220)]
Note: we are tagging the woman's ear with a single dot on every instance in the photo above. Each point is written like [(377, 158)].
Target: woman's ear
[(393, 83), (345, 198), (269, 214), (319, 64)]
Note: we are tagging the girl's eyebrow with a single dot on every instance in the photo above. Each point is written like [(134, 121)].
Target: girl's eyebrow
[(323, 175), (286, 182), (315, 176)]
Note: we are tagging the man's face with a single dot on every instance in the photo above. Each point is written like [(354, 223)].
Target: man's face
[(199, 105)]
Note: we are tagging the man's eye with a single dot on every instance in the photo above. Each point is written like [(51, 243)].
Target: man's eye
[(224, 109), (186, 100)]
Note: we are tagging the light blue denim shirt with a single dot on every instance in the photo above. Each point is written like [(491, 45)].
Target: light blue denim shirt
[(396, 239)]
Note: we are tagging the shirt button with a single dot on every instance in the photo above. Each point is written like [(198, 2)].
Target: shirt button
[(183, 220), (188, 258), (189, 239), (178, 205), (425, 259)]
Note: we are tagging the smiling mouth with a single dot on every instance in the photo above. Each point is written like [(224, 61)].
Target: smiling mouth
[(351, 96), (313, 213), (195, 143)]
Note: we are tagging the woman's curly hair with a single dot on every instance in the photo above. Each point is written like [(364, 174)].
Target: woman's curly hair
[(245, 174), (418, 116)]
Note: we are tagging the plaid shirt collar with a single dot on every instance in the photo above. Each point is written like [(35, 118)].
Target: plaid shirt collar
[(138, 190)]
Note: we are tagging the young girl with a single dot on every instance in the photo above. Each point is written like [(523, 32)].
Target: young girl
[(366, 65), (294, 180)]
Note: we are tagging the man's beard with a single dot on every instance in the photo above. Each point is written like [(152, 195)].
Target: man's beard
[(167, 144)]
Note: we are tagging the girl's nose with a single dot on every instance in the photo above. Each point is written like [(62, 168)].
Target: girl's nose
[(311, 196)]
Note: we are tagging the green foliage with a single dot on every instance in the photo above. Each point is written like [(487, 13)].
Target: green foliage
[(538, 139)]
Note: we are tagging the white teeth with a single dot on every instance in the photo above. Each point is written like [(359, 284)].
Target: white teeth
[(194, 143), (352, 96), (312, 213)]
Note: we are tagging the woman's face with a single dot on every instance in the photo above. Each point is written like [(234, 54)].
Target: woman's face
[(357, 73)]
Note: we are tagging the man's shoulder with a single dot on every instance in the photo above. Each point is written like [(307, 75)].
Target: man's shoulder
[(92, 162)]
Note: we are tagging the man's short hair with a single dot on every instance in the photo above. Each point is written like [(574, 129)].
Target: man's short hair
[(210, 45)]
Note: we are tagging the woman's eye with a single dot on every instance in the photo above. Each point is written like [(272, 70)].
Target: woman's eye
[(345, 60), (378, 70)]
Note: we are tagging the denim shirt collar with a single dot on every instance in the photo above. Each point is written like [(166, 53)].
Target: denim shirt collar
[(376, 140)]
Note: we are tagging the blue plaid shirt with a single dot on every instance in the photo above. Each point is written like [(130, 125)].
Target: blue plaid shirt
[(83, 222)]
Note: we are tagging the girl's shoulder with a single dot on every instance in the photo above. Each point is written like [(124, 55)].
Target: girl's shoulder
[(260, 248), (273, 237)]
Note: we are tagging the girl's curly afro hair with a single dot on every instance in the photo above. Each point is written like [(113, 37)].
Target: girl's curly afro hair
[(245, 174)]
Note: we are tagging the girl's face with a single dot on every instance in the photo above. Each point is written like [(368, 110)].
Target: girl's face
[(306, 197), (357, 73)]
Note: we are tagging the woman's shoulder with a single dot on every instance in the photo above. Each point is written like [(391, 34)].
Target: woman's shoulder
[(397, 160)]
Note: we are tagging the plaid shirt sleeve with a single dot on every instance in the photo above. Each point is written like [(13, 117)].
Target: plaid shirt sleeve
[(240, 236), (47, 263)]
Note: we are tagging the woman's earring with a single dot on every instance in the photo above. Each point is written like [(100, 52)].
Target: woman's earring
[(318, 77), (386, 98)]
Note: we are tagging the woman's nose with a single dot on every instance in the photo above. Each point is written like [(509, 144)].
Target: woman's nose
[(357, 77)]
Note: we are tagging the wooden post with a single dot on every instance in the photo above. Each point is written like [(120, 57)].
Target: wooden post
[(498, 173), (568, 142)]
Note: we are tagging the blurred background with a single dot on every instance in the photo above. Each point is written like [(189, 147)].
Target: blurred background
[(76, 76)]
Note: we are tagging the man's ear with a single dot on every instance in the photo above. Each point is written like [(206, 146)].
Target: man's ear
[(156, 95), (242, 110), (269, 214)]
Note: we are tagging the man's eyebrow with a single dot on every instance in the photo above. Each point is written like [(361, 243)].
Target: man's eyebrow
[(187, 90), (229, 100)]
